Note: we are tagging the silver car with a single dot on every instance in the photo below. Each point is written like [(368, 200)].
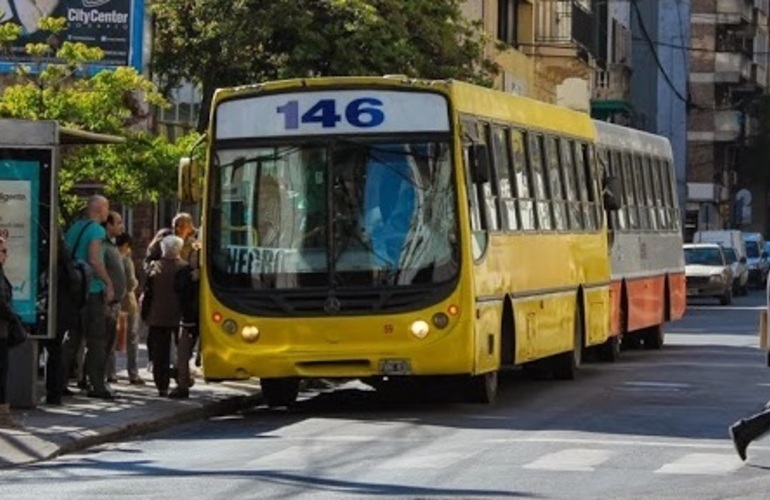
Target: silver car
[(708, 272), (740, 271)]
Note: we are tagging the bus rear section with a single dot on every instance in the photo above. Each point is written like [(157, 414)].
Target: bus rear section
[(648, 278)]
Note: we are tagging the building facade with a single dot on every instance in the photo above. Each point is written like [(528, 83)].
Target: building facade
[(729, 70)]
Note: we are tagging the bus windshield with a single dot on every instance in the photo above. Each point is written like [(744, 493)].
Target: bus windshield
[(336, 213)]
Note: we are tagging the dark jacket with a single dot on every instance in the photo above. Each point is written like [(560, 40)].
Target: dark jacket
[(165, 309), (7, 314)]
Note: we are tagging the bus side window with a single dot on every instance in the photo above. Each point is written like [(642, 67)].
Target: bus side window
[(657, 188), (617, 171), (641, 197), (649, 192), (630, 192), (555, 184), (502, 156), (606, 169), (585, 181), (523, 181), (536, 167), (595, 185), (570, 185), (470, 137), (666, 192), (490, 189), (670, 187)]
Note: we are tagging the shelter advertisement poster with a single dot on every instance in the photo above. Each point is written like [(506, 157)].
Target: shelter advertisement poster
[(19, 223), (106, 24)]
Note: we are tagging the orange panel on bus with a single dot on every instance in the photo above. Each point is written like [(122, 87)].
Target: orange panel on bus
[(678, 289), (646, 302)]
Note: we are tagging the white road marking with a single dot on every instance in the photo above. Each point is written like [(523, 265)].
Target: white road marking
[(424, 461), (574, 459), (702, 463)]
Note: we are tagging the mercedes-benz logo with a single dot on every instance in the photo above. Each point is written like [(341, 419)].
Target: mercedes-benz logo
[(332, 305)]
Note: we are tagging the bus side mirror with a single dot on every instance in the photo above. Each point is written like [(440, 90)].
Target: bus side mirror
[(189, 188), (479, 159), (611, 196)]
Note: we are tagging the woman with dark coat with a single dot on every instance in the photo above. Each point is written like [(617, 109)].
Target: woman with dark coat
[(7, 317), (164, 310)]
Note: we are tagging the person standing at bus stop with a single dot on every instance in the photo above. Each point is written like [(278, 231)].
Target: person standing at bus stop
[(7, 315), (85, 239)]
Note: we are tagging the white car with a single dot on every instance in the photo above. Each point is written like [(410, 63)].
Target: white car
[(708, 273)]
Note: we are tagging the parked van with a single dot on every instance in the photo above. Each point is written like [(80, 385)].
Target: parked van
[(756, 258), (731, 238)]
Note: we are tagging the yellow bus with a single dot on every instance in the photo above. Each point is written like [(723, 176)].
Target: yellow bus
[(384, 228)]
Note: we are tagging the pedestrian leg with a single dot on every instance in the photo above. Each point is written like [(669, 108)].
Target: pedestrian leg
[(747, 430)]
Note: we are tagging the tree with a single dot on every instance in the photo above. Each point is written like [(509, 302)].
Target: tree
[(57, 85), (220, 43)]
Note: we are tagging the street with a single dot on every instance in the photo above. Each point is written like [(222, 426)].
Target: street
[(653, 425)]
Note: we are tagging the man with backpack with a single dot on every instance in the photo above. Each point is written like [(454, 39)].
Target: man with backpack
[(85, 240)]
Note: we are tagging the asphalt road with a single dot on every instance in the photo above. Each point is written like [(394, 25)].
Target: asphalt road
[(653, 425)]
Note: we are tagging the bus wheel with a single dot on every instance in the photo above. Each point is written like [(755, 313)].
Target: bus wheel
[(565, 365), (609, 351), (482, 388), (279, 392), (654, 337)]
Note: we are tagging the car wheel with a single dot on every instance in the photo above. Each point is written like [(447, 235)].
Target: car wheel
[(726, 298)]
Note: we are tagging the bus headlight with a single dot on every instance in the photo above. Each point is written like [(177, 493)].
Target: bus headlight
[(250, 333), (420, 329), (229, 326)]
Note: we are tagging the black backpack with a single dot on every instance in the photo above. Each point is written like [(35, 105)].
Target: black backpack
[(78, 273)]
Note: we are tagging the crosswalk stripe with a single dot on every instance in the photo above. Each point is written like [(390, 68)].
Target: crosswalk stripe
[(573, 459), (702, 463)]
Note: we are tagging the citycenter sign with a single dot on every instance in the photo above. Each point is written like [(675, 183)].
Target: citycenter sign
[(94, 16), (115, 26)]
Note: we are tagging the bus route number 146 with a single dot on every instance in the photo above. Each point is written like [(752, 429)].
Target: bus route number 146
[(362, 113)]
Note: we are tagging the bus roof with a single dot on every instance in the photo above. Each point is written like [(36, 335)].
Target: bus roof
[(618, 137), (466, 98)]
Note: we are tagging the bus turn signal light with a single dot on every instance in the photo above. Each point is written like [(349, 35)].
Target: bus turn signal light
[(216, 317), (453, 310)]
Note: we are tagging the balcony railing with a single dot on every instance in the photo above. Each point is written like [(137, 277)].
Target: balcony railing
[(566, 23), (735, 11), (613, 84), (731, 67), (728, 125)]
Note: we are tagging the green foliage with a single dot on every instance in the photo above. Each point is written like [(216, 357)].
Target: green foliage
[(218, 43), (58, 86)]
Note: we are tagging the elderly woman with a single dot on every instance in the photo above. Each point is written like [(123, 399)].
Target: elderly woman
[(7, 316), (164, 313)]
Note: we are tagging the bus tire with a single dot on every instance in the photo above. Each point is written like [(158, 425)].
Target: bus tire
[(654, 337), (565, 366), (278, 392), (609, 351), (482, 388)]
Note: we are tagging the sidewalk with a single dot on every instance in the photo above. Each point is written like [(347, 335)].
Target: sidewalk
[(81, 422)]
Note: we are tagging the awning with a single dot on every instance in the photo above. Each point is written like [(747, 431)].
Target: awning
[(73, 136)]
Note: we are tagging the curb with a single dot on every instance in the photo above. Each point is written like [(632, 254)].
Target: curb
[(182, 416)]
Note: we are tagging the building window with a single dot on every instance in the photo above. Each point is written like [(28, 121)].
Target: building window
[(507, 20)]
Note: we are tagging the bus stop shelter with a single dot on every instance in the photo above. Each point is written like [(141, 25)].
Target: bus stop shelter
[(30, 157)]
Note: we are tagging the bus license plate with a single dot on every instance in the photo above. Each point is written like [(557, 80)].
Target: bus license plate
[(395, 367)]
